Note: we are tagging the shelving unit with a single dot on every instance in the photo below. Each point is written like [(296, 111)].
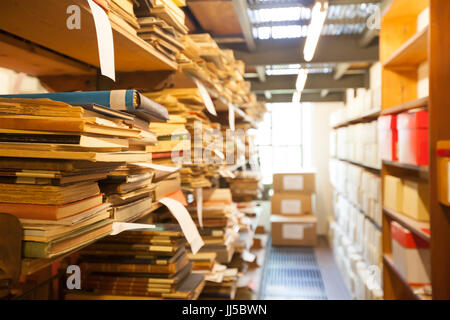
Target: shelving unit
[(402, 49), (362, 164), (366, 117)]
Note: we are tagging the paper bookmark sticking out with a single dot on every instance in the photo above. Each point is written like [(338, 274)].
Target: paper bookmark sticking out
[(155, 166), (231, 118), (119, 227), (247, 256), (104, 40), (199, 201), (205, 96), (185, 221)]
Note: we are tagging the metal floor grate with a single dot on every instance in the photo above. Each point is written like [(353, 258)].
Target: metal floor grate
[(292, 273)]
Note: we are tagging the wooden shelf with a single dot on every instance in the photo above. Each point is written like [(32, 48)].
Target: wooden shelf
[(411, 53), (387, 259), (366, 117), (362, 164), (412, 225), (423, 171), (418, 103), (45, 26)]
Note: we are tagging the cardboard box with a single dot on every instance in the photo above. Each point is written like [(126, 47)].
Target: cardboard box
[(291, 203), (294, 231), (393, 193), (416, 200), (289, 182), (411, 255)]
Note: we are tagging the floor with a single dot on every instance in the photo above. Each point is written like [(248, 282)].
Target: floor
[(300, 273)]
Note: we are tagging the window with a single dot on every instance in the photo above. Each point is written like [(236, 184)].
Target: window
[(279, 140)]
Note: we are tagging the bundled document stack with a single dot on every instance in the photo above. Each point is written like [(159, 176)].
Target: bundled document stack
[(141, 263), (246, 186), (161, 23), (218, 224), (53, 156)]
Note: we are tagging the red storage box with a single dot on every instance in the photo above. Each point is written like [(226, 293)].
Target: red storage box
[(388, 137), (413, 138), (411, 255)]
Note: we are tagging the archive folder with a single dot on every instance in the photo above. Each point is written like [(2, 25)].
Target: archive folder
[(129, 101)]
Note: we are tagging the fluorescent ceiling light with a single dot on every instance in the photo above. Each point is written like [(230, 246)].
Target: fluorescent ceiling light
[(296, 96), (301, 79), (318, 16)]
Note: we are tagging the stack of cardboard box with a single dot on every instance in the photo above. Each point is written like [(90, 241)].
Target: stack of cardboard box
[(293, 221)]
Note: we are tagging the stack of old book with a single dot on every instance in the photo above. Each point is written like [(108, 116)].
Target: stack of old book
[(185, 107), (161, 23), (130, 191), (53, 156), (141, 263), (246, 186), (217, 223)]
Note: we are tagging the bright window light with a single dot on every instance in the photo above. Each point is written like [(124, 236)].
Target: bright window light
[(318, 16)]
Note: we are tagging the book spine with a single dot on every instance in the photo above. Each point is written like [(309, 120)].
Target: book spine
[(33, 249), (110, 267), (121, 100)]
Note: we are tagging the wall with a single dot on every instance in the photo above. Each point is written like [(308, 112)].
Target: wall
[(317, 134)]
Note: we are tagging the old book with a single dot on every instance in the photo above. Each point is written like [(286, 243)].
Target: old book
[(32, 249), (69, 221), (80, 140), (129, 101), (50, 212), (18, 177), (46, 233), (58, 166), (136, 267), (109, 188), (47, 195), (132, 210), (124, 156), (168, 186), (64, 124)]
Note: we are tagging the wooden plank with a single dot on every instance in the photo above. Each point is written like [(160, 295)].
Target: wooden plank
[(401, 8), (413, 104), (22, 56), (412, 225), (403, 290), (411, 53), (212, 14), (140, 80), (366, 117), (45, 25), (439, 129), (422, 170)]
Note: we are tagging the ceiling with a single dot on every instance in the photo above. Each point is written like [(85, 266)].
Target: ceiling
[(269, 35)]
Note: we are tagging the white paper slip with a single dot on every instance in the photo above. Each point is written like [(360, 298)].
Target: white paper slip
[(292, 231), (119, 227), (231, 117), (293, 182), (205, 96), (155, 166), (291, 206), (248, 256), (104, 40), (199, 200), (185, 221)]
